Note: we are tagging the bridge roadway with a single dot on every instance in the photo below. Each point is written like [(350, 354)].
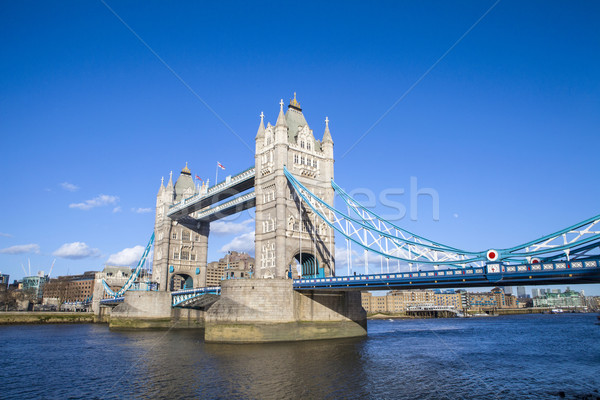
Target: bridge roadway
[(493, 274), (232, 186)]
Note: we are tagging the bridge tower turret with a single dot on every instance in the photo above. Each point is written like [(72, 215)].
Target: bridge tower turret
[(288, 236)]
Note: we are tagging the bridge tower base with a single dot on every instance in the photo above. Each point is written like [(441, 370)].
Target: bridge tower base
[(142, 310), (269, 310)]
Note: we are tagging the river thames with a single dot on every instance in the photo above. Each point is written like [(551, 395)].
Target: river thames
[(507, 357)]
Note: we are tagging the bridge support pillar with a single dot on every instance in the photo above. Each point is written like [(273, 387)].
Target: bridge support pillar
[(269, 310), (142, 310)]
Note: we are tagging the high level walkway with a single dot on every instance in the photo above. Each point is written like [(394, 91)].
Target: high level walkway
[(231, 186)]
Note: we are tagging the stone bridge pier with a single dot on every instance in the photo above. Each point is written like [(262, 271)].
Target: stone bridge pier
[(260, 310)]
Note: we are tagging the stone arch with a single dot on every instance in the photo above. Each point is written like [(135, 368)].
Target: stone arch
[(180, 281), (306, 264)]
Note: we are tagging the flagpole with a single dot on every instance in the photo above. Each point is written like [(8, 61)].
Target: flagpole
[(216, 174)]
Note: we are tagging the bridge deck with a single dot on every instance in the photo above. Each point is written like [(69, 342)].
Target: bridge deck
[(574, 272)]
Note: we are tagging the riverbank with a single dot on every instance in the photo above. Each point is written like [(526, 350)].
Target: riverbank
[(44, 317), (471, 313)]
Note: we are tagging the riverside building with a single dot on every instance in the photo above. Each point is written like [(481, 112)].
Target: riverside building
[(398, 301), (70, 288)]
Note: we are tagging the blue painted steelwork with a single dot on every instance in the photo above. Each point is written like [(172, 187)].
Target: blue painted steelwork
[(397, 246), (134, 275), (310, 266), (379, 236), (376, 221), (493, 274), (112, 301), (182, 297)]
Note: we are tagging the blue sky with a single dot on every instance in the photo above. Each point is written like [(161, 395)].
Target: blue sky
[(505, 128)]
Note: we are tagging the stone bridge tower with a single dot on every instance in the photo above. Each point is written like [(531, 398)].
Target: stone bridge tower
[(289, 236), (180, 247)]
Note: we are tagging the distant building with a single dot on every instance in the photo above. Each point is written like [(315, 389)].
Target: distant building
[(4, 281), (568, 299), (535, 292), (70, 288), (521, 292), (398, 301), (507, 289), (233, 266), (215, 273), (16, 285), (35, 284), (482, 301), (114, 276), (239, 265), (492, 300)]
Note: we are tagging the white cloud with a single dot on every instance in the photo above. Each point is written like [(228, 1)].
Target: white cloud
[(357, 257), (5, 234), (76, 251), (243, 242), (230, 228), (102, 200), (126, 257), (21, 249), (69, 187), (455, 215), (140, 210), (117, 209)]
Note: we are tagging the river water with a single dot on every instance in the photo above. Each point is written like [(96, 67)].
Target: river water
[(507, 357)]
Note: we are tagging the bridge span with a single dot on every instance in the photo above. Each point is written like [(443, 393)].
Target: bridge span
[(552, 273)]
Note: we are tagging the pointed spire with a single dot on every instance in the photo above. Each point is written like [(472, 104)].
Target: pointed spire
[(162, 185), (327, 134), (170, 184), (281, 118), (261, 127)]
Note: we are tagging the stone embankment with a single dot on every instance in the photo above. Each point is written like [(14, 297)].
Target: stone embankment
[(43, 317)]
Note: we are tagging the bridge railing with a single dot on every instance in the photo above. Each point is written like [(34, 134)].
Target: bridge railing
[(248, 173), (112, 300), (494, 272), (181, 296)]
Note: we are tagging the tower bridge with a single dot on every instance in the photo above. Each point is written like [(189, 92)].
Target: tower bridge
[(292, 189)]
